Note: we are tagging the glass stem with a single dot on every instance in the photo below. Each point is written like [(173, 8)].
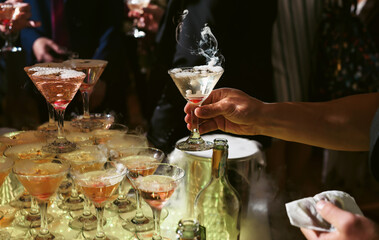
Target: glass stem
[(85, 96), (34, 209), (43, 208), (157, 224), (100, 231), (74, 191), (139, 213), (60, 114), (51, 111), (195, 134), (86, 208)]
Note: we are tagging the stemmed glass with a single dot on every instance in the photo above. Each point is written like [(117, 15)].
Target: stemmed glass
[(137, 6), (139, 161), (93, 68), (195, 84), (84, 159), (117, 145), (42, 178), (98, 185), (58, 86), (29, 151), (6, 165), (8, 11), (157, 188)]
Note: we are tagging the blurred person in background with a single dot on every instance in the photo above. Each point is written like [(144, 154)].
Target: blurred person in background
[(11, 71)]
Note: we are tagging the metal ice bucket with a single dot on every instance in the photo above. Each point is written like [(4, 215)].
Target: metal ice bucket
[(245, 164)]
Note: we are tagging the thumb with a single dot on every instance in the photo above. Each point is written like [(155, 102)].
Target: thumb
[(332, 214)]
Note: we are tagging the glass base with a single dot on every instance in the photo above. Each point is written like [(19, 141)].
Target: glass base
[(122, 205), (93, 122), (60, 146), (24, 201), (85, 223), (28, 220), (10, 49), (138, 225), (194, 145), (49, 236), (72, 204)]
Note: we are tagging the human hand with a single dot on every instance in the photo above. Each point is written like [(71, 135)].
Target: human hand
[(46, 50), (21, 16), (229, 110), (348, 226), (149, 19)]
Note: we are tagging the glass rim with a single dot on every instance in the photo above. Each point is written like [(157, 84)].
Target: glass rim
[(35, 161), (77, 174)]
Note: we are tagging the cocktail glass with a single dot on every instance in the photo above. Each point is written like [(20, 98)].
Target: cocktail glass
[(8, 11), (99, 186), (139, 161), (137, 6), (195, 84), (117, 145), (6, 165), (58, 85), (32, 217), (93, 68), (84, 159), (42, 178), (157, 188)]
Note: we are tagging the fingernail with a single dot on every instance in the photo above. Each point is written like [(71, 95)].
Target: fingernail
[(320, 204)]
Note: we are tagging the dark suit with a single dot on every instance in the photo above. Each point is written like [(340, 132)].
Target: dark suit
[(243, 30), (95, 31)]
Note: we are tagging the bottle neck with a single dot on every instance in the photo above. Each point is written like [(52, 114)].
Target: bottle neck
[(219, 158)]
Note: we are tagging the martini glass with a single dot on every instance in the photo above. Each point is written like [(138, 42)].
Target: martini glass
[(195, 84), (118, 146), (6, 165), (93, 68), (58, 86), (84, 159), (99, 185), (27, 152), (139, 161), (42, 178), (137, 6), (157, 188), (7, 13)]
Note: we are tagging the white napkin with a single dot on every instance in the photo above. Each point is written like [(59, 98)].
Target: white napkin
[(303, 213)]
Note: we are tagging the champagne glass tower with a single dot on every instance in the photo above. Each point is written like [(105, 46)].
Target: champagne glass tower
[(195, 84), (58, 85)]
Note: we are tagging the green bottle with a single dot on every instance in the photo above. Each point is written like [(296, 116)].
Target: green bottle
[(218, 205), (190, 229)]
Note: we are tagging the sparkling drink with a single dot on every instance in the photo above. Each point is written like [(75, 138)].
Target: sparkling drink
[(99, 192), (195, 84), (41, 180), (6, 13), (156, 190)]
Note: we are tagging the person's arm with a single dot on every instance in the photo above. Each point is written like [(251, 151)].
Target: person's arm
[(341, 124), (348, 226)]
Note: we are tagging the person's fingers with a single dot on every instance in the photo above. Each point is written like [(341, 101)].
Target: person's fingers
[(34, 24), (55, 47), (221, 107), (208, 126), (309, 234), (333, 214)]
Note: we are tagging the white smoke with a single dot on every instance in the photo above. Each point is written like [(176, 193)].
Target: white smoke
[(207, 46)]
